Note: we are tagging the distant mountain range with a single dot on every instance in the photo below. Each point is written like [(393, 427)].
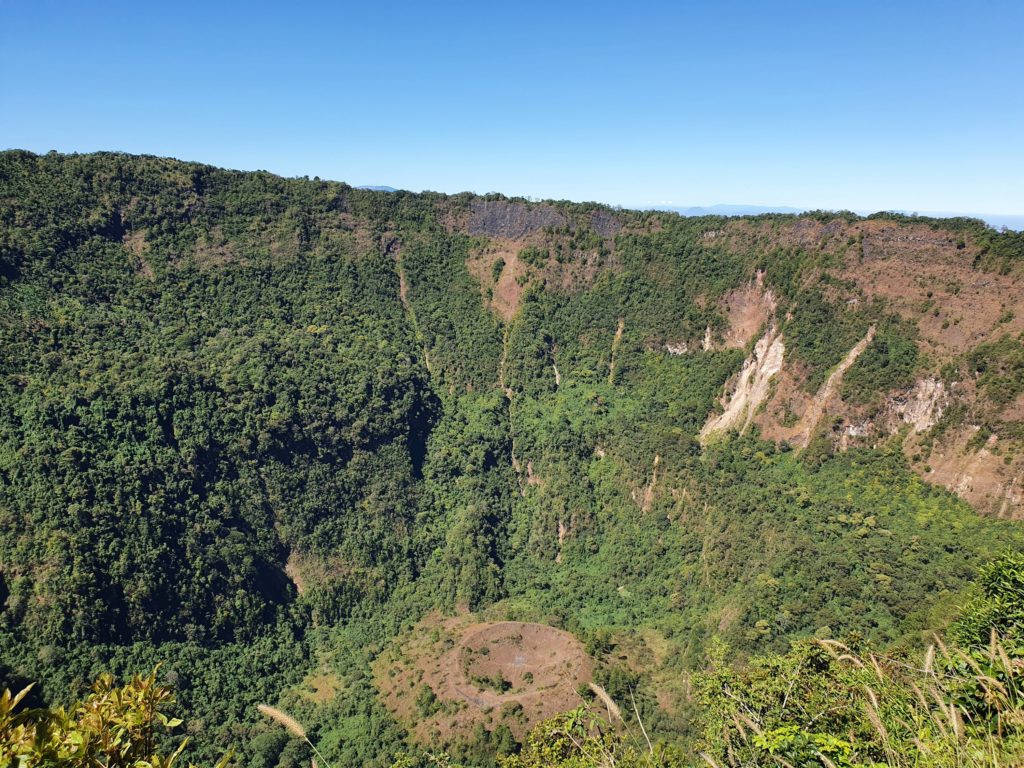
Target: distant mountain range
[(728, 210)]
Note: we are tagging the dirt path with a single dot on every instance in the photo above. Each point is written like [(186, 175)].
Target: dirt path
[(394, 249), (615, 348)]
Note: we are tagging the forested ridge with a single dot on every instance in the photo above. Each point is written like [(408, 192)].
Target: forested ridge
[(254, 429)]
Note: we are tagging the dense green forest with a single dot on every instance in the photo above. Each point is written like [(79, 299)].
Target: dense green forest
[(252, 429)]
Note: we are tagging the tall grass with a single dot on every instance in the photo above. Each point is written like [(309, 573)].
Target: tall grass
[(956, 708), (293, 726)]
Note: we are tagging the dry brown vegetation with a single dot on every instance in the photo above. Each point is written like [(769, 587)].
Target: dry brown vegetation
[(927, 276), (490, 673)]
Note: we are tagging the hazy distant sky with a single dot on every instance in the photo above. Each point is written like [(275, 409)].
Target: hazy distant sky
[(866, 105)]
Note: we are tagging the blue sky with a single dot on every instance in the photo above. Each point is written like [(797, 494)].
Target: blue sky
[(897, 105)]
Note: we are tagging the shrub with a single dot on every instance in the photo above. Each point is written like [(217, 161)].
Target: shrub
[(113, 727)]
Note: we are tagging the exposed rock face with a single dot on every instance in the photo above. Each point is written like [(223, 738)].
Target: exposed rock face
[(922, 407), (926, 276), (929, 277), (748, 310), (853, 434), (1013, 499), (752, 387), (801, 435), (293, 569), (557, 261), (989, 477), (605, 223), (513, 221)]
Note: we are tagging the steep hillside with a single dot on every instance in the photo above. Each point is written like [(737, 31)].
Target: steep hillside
[(930, 325), (274, 431)]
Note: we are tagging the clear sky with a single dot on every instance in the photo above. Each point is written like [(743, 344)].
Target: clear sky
[(869, 105)]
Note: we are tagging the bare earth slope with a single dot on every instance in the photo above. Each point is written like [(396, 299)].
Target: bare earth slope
[(929, 277), (446, 675)]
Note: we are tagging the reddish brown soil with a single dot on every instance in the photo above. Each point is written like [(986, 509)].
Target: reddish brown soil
[(505, 293), (928, 276), (748, 310), (955, 307), (464, 664), (981, 475), (573, 274)]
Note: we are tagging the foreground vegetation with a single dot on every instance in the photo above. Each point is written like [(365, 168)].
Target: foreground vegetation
[(253, 428), (822, 703)]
